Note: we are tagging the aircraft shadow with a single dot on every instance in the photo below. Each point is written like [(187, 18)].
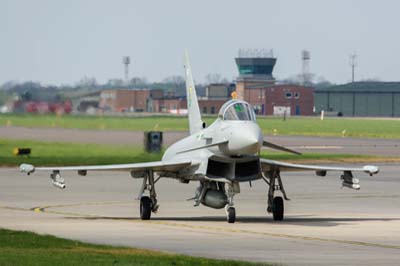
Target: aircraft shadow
[(291, 220)]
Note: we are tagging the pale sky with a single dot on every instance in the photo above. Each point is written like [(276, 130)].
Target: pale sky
[(59, 42)]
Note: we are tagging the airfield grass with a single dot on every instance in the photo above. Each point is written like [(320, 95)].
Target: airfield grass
[(27, 248), (52, 153), (299, 126)]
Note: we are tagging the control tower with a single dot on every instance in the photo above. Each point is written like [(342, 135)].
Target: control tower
[(255, 68)]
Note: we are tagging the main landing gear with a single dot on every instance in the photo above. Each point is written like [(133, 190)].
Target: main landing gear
[(148, 204), (275, 204)]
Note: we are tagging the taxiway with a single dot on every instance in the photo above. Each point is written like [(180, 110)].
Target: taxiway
[(324, 224)]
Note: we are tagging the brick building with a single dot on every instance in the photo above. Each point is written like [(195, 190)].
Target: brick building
[(176, 105), (129, 100), (211, 106), (277, 99)]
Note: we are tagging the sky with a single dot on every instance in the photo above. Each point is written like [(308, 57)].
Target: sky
[(58, 42)]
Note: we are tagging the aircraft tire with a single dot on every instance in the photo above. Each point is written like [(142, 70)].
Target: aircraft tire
[(278, 209), (231, 215), (145, 208)]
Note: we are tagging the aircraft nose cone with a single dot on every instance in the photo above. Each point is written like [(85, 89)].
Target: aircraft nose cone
[(245, 139)]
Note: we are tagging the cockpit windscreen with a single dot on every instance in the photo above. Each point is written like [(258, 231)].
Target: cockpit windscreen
[(239, 111)]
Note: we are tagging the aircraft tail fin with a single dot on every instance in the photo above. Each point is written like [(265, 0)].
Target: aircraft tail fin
[(195, 122)]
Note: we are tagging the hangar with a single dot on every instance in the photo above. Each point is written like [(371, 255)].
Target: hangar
[(360, 99)]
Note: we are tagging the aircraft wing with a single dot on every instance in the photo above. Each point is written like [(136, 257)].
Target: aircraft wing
[(267, 165), (170, 166)]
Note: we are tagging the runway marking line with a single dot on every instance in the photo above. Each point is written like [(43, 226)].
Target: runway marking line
[(45, 209)]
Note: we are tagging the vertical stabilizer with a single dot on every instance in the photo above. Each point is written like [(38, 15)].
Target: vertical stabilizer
[(195, 122)]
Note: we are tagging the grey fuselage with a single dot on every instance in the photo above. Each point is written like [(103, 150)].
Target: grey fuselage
[(235, 160)]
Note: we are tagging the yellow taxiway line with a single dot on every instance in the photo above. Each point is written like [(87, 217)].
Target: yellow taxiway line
[(217, 229)]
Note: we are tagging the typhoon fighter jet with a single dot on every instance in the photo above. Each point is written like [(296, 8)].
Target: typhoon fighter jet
[(219, 157)]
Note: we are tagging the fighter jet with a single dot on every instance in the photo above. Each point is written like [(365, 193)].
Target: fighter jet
[(219, 157)]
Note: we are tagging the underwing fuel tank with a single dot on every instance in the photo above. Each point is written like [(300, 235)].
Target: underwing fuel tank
[(215, 199)]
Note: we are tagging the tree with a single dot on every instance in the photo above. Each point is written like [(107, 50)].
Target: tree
[(213, 78), (115, 83), (8, 85), (138, 81), (177, 83), (87, 82)]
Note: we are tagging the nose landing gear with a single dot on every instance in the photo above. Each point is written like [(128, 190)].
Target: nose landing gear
[(233, 189), (230, 214)]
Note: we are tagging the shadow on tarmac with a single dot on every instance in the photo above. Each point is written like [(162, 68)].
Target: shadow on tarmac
[(290, 220)]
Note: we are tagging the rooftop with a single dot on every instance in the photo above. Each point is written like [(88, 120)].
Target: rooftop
[(363, 86)]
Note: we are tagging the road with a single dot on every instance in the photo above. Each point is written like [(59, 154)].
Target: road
[(383, 147), (324, 225)]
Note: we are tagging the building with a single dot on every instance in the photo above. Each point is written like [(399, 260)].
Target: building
[(129, 100), (219, 91), (254, 71), (211, 106), (257, 85), (178, 105), (360, 99), (280, 99), (216, 95), (170, 104)]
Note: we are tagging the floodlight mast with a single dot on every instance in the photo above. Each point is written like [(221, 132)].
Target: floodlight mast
[(305, 67), (126, 60), (353, 64)]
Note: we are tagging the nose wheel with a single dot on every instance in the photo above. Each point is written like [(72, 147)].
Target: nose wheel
[(231, 215), (233, 189)]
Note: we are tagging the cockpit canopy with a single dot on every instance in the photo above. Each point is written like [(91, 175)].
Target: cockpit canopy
[(237, 110)]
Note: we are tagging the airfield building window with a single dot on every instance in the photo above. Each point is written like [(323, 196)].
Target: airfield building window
[(212, 109), (205, 110), (288, 95), (239, 111), (297, 95)]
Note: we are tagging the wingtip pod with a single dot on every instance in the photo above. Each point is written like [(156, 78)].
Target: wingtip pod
[(27, 168), (371, 169)]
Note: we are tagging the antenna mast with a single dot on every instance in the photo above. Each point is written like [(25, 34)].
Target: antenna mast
[(126, 60), (305, 67), (353, 64)]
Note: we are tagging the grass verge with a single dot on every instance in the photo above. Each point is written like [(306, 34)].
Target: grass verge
[(26, 248), (50, 153), (299, 126)]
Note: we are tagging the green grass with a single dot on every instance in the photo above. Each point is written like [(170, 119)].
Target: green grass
[(52, 153), (49, 153), (26, 248), (301, 126)]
